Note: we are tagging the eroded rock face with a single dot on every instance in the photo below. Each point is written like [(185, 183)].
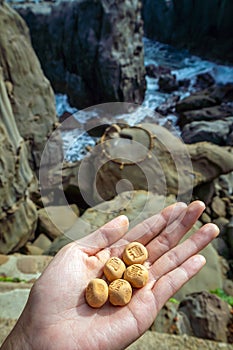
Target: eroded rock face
[(17, 212), (29, 92), (208, 315), (199, 25), (90, 50)]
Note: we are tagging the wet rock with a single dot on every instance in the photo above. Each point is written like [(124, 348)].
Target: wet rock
[(168, 83), (215, 131), (30, 93), (204, 114), (156, 71), (208, 315), (204, 81), (196, 102), (101, 59)]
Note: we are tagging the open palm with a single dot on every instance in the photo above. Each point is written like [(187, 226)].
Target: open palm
[(57, 316)]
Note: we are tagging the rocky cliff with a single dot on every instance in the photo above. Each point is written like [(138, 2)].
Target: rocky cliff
[(30, 93), (90, 50), (17, 212), (202, 26)]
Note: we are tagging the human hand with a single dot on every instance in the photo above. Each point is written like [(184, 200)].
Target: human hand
[(57, 316)]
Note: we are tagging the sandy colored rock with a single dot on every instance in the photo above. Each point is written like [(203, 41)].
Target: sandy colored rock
[(55, 220), (218, 206), (114, 269), (154, 340), (32, 264), (32, 250), (135, 253), (159, 162), (137, 275), (30, 93), (120, 292), (96, 293), (18, 214), (42, 242), (3, 259)]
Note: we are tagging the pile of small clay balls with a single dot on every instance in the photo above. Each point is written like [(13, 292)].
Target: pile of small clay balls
[(121, 278)]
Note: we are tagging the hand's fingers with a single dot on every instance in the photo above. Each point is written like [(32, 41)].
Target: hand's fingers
[(149, 228), (170, 283), (146, 230), (104, 236), (176, 256), (172, 234)]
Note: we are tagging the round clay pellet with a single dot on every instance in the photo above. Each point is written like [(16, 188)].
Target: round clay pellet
[(114, 269), (120, 292), (135, 253), (96, 293), (137, 275)]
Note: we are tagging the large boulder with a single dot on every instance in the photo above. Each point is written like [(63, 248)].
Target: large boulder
[(90, 50), (29, 92), (18, 214), (208, 315), (149, 157), (217, 132)]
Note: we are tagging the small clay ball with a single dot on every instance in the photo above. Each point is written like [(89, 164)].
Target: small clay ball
[(137, 275), (120, 292), (114, 269), (96, 293), (135, 253)]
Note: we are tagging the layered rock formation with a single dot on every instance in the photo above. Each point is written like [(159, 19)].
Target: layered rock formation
[(17, 212), (90, 50), (29, 92), (199, 25)]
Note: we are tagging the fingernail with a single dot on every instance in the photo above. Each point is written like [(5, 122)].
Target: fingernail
[(211, 227)]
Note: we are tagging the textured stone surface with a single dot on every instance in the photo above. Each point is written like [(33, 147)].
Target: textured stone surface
[(154, 340), (217, 131), (166, 164), (198, 25), (55, 220), (24, 267), (101, 59), (17, 212), (208, 315), (136, 205), (30, 93)]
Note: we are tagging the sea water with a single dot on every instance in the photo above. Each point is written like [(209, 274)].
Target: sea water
[(181, 63)]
